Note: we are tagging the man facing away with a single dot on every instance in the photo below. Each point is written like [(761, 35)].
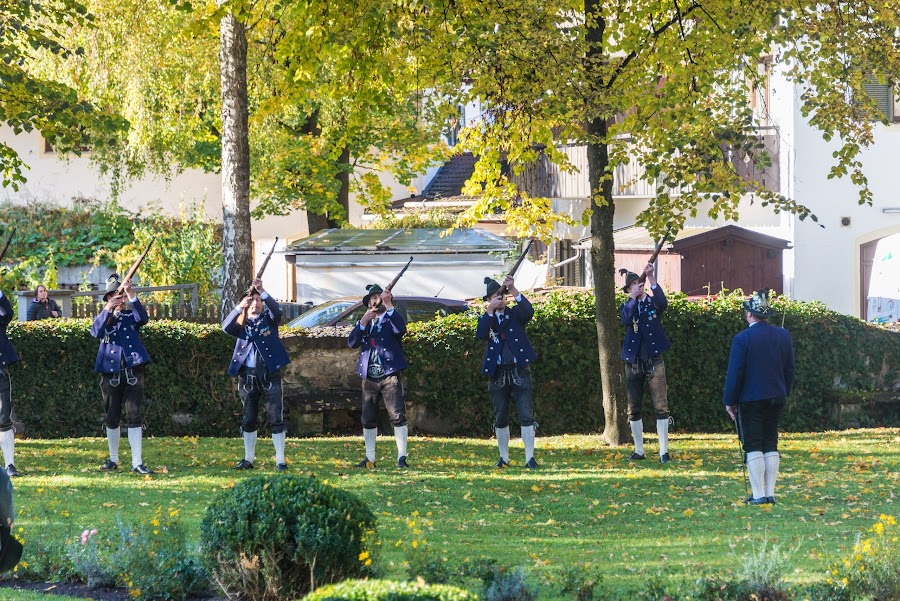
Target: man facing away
[(256, 361), (760, 376)]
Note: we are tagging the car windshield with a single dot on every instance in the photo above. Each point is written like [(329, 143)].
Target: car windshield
[(321, 315)]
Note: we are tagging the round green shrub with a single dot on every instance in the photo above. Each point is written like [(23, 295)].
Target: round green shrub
[(278, 537), (389, 590)]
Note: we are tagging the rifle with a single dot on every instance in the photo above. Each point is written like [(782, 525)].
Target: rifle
[(262, 269), (121, 289), (5, 248), (515, 266), (378, 304), (643, 277)]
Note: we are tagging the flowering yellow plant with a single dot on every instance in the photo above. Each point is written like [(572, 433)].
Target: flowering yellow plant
[(873, 566)]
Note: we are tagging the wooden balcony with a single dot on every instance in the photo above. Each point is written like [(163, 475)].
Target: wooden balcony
[(545, 179)]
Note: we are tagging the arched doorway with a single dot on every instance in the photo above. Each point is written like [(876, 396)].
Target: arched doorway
[(879, 268)]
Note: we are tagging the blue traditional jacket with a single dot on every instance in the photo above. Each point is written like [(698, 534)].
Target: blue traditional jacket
[(509, 329), (8, 354), (643, 326), (120, 342), (760, 366), (383, 335), (262, 332)]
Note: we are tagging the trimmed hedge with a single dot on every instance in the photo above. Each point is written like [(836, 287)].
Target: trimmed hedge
[(832, 352), (389, 590), (56, 392)]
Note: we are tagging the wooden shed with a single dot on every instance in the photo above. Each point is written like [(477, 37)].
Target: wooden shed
[(730, 257)]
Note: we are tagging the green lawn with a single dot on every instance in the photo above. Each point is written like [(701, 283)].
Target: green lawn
[(586, 504)]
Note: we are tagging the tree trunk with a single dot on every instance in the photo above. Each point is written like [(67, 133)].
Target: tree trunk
[(236, 234), (612, 374)]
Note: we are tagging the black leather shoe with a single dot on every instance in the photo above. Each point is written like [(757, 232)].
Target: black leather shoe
[(11, 471), (501, 465), (142, 469), (664, 458), (366, 464), (759, 501), (531, 464), (109, 466), (281, 467), (401, 461), (636, 457), (243, 464)]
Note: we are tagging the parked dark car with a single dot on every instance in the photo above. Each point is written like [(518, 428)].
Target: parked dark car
[(347, 311)]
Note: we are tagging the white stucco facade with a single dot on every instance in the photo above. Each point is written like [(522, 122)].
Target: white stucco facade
[(827, 259)]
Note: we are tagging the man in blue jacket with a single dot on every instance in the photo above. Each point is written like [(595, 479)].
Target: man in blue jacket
[(378, 336), (257, 360), (8, 356), (760, 376), (120, 362), (507, 362), (642, 351)]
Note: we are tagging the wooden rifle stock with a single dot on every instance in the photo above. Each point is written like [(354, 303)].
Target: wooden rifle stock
[(378, 303), (390, 286), (262, 269), (643, 277), (121, 289), (512, 272), (6, 247)]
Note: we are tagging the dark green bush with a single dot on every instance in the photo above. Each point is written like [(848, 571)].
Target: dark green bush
[(278, 537), (833, 352), (389, 590), (57, 393)]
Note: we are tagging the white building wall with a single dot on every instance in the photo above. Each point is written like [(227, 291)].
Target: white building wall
[(827, 259)]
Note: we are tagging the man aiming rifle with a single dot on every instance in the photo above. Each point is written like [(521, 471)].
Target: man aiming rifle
[(8, 356), (507, 362), (378, 335), (120, 362), (256, 362)]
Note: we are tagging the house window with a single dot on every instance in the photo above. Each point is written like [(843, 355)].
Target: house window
[(885, 96), (48, 148)]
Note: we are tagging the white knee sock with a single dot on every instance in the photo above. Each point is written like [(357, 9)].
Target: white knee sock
[(503, 442), (7, 443), (250, 446), (772, 460), (528, 439), (401, 434), (113, 435), (662, 429), (278, 441), (756, 470), (369, 435), (637, 431), (134, 441)]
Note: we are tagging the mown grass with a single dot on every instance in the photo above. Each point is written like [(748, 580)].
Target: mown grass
[(586, 504)]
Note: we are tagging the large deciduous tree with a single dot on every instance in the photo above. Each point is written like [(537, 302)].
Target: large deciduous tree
[(333, 97), (665, 82), (27, 101)]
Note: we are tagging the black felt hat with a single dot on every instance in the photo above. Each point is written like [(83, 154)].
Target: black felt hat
[(373, 289), (758, 304), (630, 276), (492, 288)]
